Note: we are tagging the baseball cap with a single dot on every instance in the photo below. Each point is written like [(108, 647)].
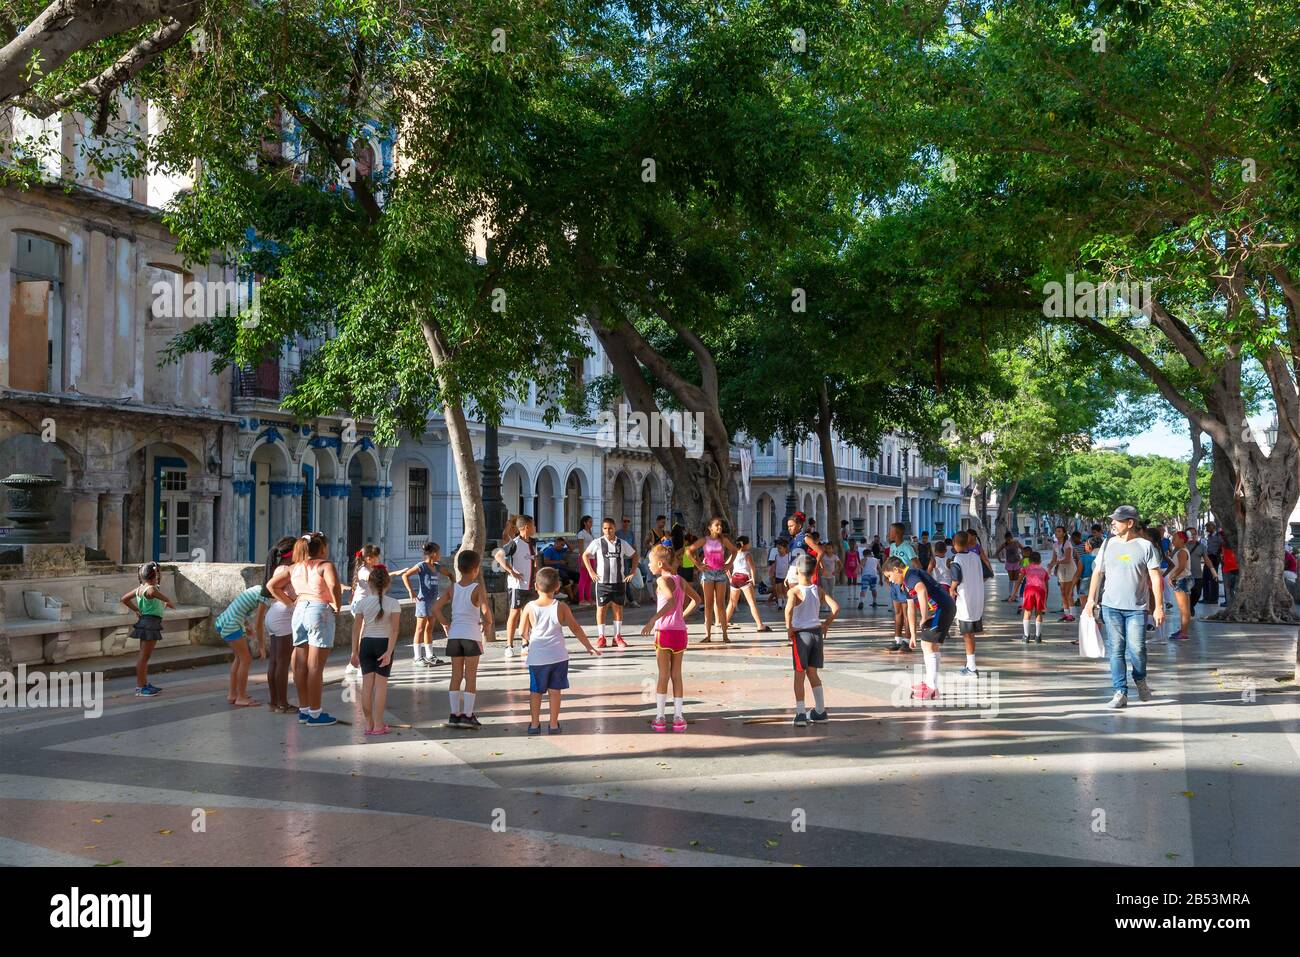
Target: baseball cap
[(1125, 513)]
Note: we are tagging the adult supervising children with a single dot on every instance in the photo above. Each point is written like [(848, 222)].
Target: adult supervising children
[(1129, 566)]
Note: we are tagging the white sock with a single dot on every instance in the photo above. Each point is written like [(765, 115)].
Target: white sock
[(467, 702), (1026, 624), (677, 707), (932, 668), (819, 698), (798, 706), (600, 630), (618, 628), (661, 702), (417, 652), (455, 701), (314, 712), (970, 662), (1038, 627)]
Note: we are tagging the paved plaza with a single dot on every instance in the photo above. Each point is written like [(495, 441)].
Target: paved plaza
[(1031, 769)]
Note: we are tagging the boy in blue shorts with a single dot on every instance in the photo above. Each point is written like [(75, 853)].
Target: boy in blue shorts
[(544, 621)]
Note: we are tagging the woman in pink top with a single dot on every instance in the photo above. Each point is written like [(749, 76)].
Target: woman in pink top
[(316, 598), (714, 554), (669, 625)]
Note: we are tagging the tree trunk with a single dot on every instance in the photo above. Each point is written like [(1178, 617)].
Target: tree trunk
[(830, 479), (1223, 495), (1001, 518), (1268, 487), (1193, 471), (699, 484), (462, 451)]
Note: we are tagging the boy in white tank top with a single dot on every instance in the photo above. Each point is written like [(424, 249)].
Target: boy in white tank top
[(548, 659), (808, 637)]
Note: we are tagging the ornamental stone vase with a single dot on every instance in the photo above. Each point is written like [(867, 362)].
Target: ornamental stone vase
[(29, 506)]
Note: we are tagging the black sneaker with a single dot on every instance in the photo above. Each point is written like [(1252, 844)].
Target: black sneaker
[(469, 721), (1039, 639), (818, 716), (454, 721), (859, 606), (801, 720)]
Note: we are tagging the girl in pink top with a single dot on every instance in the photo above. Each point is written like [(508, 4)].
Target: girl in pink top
[(669, 625), (1035, 599), (715, 553)]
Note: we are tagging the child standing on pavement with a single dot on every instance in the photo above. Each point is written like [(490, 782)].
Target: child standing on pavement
[(669, 626), (807, 633), (147, 601), (548, 659)]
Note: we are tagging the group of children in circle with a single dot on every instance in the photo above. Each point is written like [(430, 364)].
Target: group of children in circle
[(293, 613)]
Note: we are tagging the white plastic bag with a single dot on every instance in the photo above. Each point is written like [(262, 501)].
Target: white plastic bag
[(1091, 644)]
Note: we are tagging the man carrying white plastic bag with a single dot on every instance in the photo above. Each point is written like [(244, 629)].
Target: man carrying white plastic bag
[(1125, 565)]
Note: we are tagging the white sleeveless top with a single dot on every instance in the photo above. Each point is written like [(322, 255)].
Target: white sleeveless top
[(465, 619), (741, 564), (807, 614), (546, 640)]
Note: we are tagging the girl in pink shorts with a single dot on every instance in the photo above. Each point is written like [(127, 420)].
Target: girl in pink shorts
[(669, 625)]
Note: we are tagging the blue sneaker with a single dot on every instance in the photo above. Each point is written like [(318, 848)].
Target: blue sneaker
[(534, 729), (303, 716), (801, 720), (148, 691), (970, 672), (321, 720), (555, 730)]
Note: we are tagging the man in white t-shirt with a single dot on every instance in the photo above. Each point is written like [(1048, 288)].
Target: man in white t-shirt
[(608, 562), (518, 559)]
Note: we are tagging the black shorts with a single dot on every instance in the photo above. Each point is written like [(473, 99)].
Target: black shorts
[(808, 649), (463, 648), (615, 593), (939, 625), (369, 652), (520, 597), (687, 574), (971, 627)]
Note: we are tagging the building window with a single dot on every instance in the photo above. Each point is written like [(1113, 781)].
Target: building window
[(36, 315), (417, 501)]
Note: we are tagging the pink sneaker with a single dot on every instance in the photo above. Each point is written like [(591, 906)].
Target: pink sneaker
[(679, 725), (659, 725), (620, 642), (924, 692)]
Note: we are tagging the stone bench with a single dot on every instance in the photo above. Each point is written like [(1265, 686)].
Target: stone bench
[(53, 620)]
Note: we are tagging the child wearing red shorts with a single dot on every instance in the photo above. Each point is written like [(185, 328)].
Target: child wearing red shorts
[(669, 626), (1034, 601)]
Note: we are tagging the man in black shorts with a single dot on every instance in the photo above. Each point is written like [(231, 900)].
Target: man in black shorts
[(607, 562), (518, 559)]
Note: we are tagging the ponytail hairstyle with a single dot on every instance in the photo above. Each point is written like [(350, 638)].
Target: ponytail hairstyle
[(359, 561), (281, 553), (149, 572), (379, 579), (309, 546)]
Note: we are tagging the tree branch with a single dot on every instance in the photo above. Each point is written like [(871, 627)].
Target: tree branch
[(102, 87)]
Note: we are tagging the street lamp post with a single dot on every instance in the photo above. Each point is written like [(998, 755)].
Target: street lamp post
[(791, 503), (905, 512), (494, 509)]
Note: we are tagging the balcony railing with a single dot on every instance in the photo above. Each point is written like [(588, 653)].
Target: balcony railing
[(267, 381), (780, 469)]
